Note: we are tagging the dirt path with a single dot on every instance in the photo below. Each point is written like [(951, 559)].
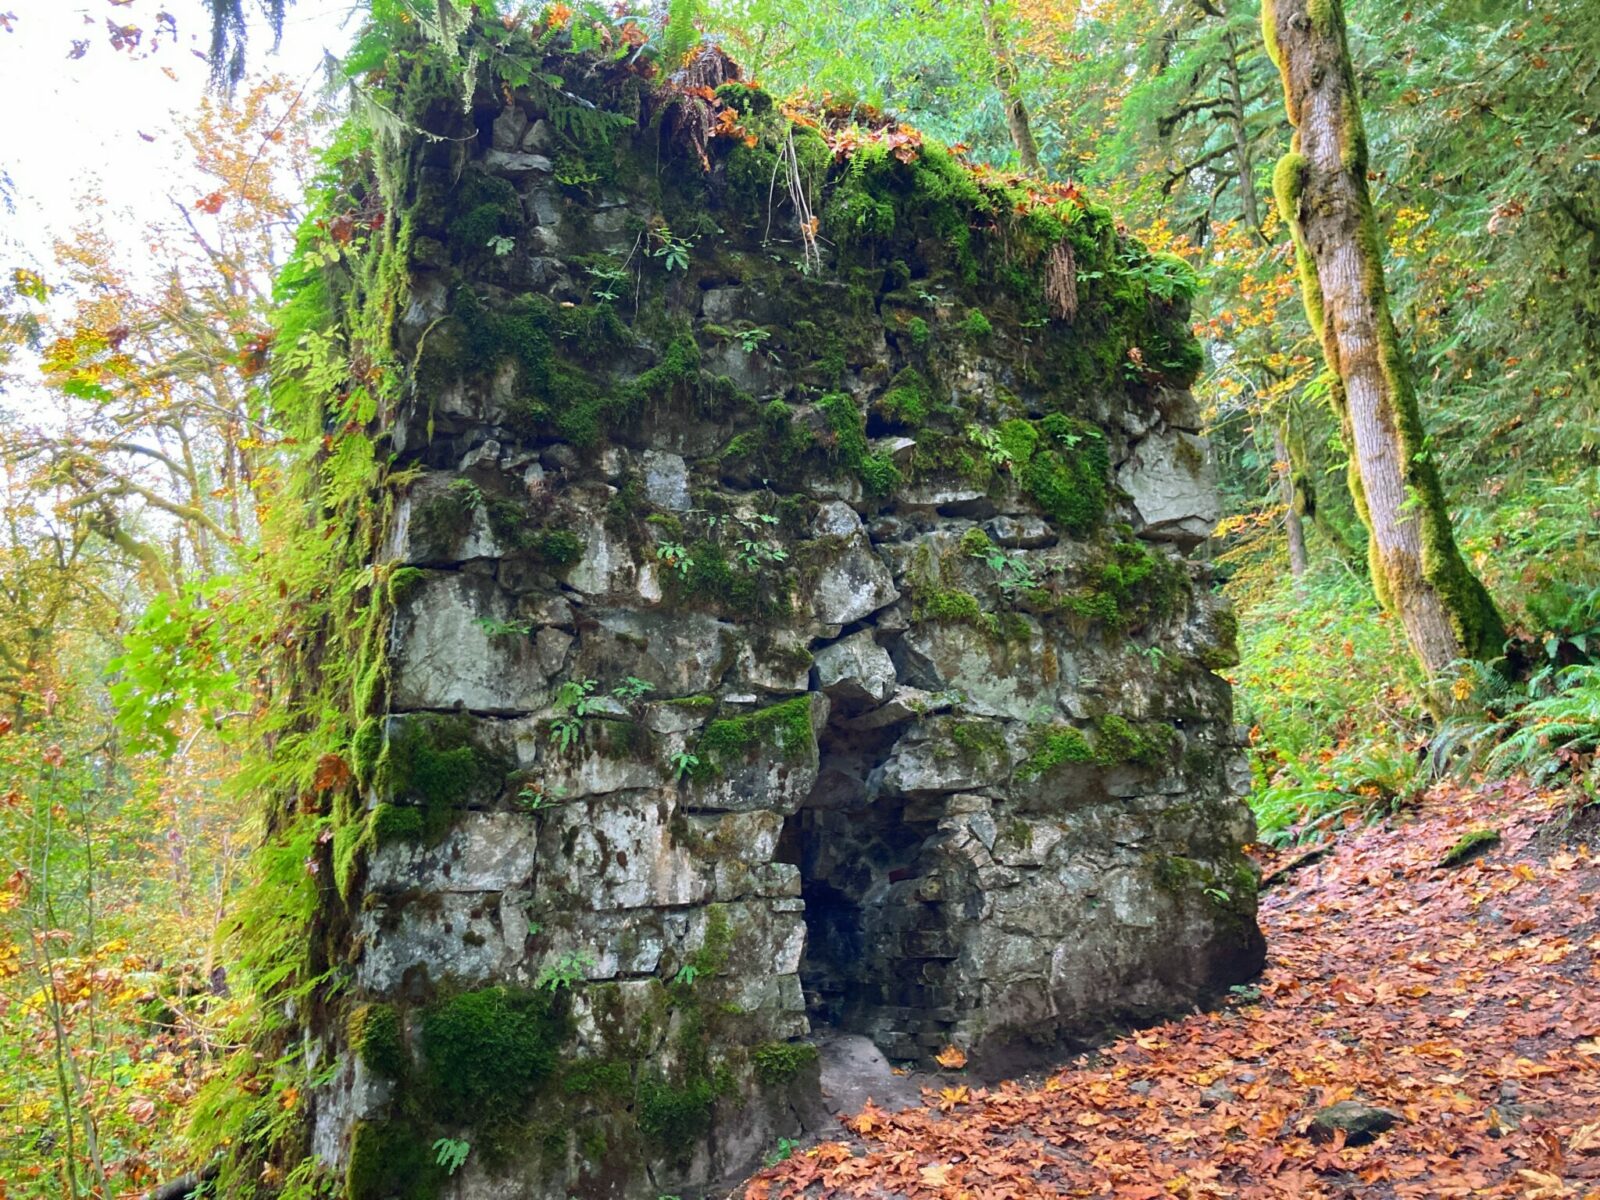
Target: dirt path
[(1466, 1000)]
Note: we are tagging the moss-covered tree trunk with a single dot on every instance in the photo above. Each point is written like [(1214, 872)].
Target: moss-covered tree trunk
[(1321, 184), (1005, 79), (1243, 161)]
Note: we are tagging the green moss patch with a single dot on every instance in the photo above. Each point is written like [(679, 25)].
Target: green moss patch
[(1054, 747), (435, 760), (905, 405), (776, 1063), (487, 1052), (389, 1160), (956, 606), (1127, 587), (977, 741), (1470, 845), (1065, 471), (1116, 741), (784, 727), (376, 1039), (877, 472), (1121, 741)]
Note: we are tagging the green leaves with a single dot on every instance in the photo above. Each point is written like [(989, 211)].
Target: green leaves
[(176, 661)]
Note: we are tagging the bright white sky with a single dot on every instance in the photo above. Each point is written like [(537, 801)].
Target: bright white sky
[(68, 124)]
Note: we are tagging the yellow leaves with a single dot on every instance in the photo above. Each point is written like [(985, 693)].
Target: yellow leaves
[(870, 1119), (951, 1058), (952, 1098), (30, 284)]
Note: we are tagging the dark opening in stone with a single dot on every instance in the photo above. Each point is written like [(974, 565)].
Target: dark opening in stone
[(881, 901)]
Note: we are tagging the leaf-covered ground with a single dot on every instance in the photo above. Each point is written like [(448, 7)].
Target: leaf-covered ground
[(1464, 998)]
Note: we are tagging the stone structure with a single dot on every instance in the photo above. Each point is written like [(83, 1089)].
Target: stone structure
[(782, 637)]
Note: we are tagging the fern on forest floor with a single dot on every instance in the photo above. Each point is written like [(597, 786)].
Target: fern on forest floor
[(1338, 733)]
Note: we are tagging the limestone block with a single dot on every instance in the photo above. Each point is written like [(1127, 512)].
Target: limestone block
[(852, 583), (666, 480), (467, 938), (680, 653), (435, 523), (927, 760), (607, 566), (1009, 676), (483, 852), (1172, 482), (509, 128), (856, 672), (443, 657), (517, 164), (618, 853)]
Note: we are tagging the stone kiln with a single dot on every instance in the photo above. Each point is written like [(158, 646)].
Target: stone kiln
[(776, 642)]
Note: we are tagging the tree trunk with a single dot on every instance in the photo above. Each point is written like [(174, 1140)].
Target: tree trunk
[(1291, 507), (1241, 138), (1005, 78), (1321, 185)]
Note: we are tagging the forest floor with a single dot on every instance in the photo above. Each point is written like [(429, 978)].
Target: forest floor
[(1464, 999)]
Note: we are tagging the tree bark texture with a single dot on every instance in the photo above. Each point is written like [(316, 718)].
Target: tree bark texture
[(1241, 138), (1005, 79), (1321, 185)]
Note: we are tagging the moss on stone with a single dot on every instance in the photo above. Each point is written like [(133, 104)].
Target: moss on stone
[(956, 606), (776, 1063), (433, 763), (1052, 747), (877, 472), (390, 823), (905, 404), (1469, 846), (785, 727), (556, 547), (376, 1038), (975, 543), (710, 578), (389, 1160), (977, 326), (693, 703), (610, 1078), (1174, 873), (1129, 585), (366, 748), (487, 1052), (675, 1116), (486, 207), (1118, 740), (1066, 475), (403, 581), (977, 741)]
